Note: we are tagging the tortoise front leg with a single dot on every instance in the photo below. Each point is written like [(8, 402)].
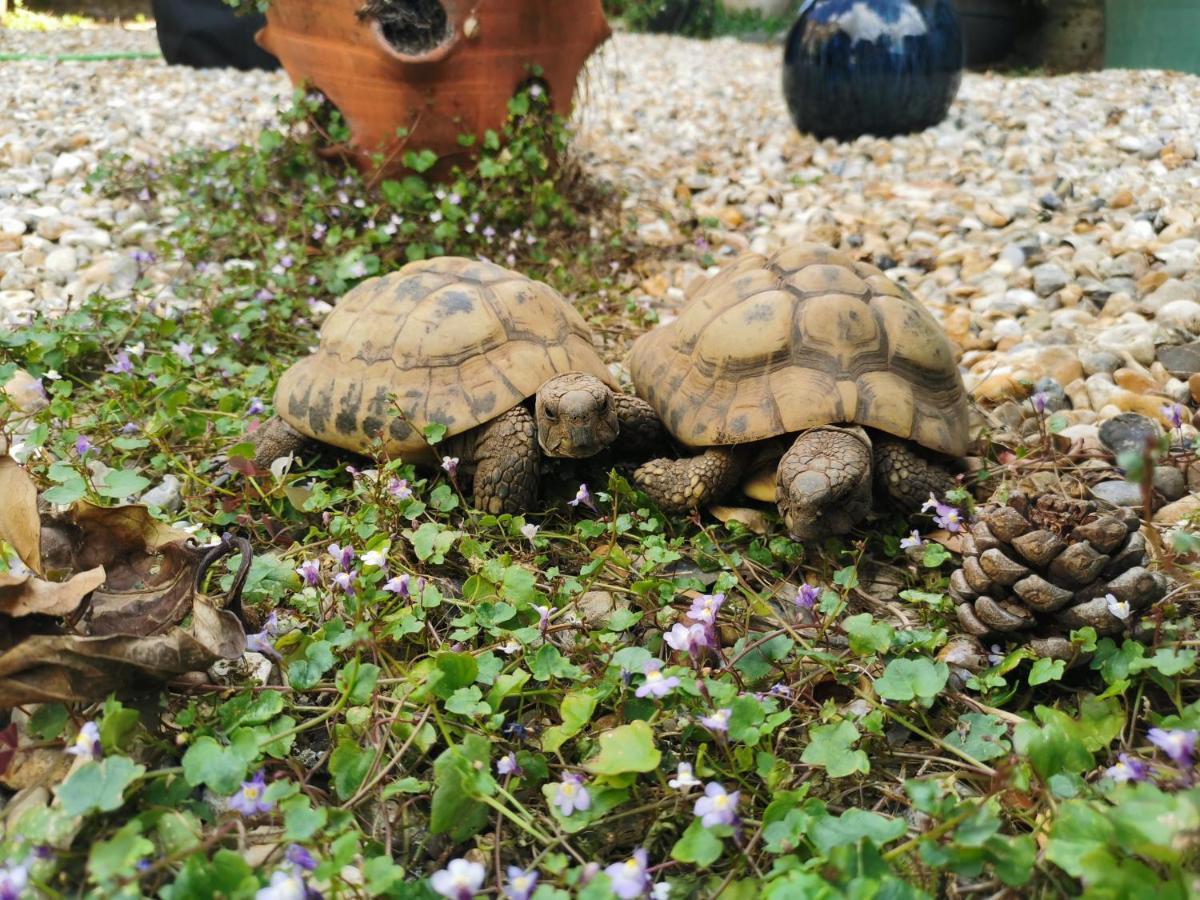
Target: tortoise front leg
[(678, 485), (506, 463), (642, 432), (907, 477), (273, 439), (823, 484)]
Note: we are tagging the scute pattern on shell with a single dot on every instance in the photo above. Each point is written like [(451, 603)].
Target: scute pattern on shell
[(456, 341), (1040, 569), (806, 337)]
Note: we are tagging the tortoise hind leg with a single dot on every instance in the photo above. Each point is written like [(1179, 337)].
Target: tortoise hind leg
[(506, 463), (906, 476), (678, 485)]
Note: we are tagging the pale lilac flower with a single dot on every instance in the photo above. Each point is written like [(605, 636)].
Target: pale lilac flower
[(684, 779), (571, 795), (50, 375), (121, 365), (398, 488), (13, 880), (286, 884), (142, 257), (136, 349), (87, 742), (1178, 744), (256, 407), (630, 879), (300, 857), (82, 445), (718, 721), (454, 199), (130, 428), (529, 531), (345, 581), (435, 216), (995, 655), (520, 883), (1174, 413), (655, 684), (357, 269), (450, 464), (690, 639), (1039, 401), (807, 596), (310, 572), (508, 765), (705, 608), (461, 880), (535, 90), (929, 504), (376, 558), (780, 690), (584, 496), (318, 232), (949, 517), (398, 585), (344, 555), (184, 351), (1128, 768), (1119, 608), (716, 807), (264, 641), (250, 799), (543, 617), (660, 891), (208, 348), (912, 542)]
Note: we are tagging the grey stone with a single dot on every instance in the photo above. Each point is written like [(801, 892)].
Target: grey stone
[(1094, 361), (1119, 493), (1048, 278), (167, 494), (1170, 482), (1182, 359), (1056, 398), (1128, 432)]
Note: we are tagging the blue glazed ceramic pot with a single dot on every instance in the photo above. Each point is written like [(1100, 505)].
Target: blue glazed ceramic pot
[(882, 67)]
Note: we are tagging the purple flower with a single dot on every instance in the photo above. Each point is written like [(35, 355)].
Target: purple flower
[(1128, 768), (571, 795), (264, 641), (300, 858), (1174, 413), (948, 517), (142, 257), (130, 428), (249, 800), (121, 366), (13, 880), (716, 807), (87, 742), (344, 555), (184, 351), (398, 488), (345, 581), (520, 883), (691, 639), (1179, 745), (256, 407), (718, 722), (543, 617), (705, 608), (450, 464), (655, 684), (264, 295), (808, 596), (684, 779), (1039, 401), (582, 496), (82, 445), (398, 585), (508, 765), (310, 572), (630, 879), (912, 542), (461, 880), (780, 690)]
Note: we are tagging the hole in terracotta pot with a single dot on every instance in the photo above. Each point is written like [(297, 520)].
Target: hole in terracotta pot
[(410, 27)]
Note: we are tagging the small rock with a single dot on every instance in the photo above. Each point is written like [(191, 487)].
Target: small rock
[(65, 166), (92, 238), (1119, 493), (1056, 397), (1121, 199), (1127, 433), (1094, 361), (1170, 482), (1181, 314), (1178, 511), (166, 495), (1048, 278), (1136, 339), (1182, 360), (62, 261)]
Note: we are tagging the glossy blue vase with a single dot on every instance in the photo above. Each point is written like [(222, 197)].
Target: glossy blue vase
[(881, 67)]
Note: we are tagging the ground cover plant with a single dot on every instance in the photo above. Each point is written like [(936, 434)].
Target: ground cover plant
[(600, 701)]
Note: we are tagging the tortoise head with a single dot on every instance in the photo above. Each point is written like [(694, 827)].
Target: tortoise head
[(576, 416)]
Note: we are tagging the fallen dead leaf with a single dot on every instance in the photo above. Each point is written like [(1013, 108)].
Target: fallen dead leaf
[(20, 524), (29, 595)]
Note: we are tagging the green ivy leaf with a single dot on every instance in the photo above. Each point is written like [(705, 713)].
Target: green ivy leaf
[(1045, 669), (576, 710), (912, 679), (467, 701), (980, 735), (699, 845), (854, 825), (462, 774), (98, 786), (867, 636), (306, 670), (359, 680), (120, 854), (1055, 747), (121, 483), (935, 554), (221, 768), (227, 874), (629, 748), (829, 746), (300, 820), (349, 764)]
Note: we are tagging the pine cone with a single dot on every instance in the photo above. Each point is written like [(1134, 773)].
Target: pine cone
[(1039, 570)]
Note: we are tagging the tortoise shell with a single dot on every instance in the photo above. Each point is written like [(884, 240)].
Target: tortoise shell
[(449, 340), (805, 337)]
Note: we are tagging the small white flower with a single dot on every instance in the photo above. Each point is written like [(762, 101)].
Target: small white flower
[(208, 348), (1118, 608), (52, 375), (377, 558), (529, 531), (684, 779)]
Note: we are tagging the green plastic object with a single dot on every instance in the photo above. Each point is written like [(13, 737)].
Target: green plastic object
[(1152, 34)]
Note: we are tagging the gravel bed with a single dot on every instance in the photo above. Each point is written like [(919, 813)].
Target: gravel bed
[(1049, 222)]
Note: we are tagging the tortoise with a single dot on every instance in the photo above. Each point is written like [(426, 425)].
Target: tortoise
[(502, 361), (810, 344)]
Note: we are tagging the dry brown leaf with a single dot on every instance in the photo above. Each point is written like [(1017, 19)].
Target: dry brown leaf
[(145, 596), (115, 537), (753, 519), (952, 542), (29, 595), (20, 524)]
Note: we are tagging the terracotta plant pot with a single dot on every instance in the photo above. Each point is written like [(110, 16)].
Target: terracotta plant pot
[(448, 75)]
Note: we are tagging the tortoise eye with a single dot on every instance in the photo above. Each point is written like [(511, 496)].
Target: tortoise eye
[(550, 411)]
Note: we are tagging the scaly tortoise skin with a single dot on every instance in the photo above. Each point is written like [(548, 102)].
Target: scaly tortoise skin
[(808, 342), (465, 344)]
